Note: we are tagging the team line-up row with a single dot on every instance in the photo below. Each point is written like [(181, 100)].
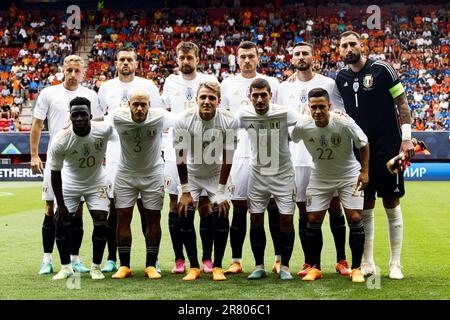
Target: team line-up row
[(266, 172)]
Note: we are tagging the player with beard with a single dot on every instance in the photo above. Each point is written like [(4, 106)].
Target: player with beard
[(52, 104), (235, 94), (374, 97), (294, 93), (112, 95), (179, 95)]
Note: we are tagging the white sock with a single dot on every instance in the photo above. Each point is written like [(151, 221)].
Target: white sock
[(94, 265), (236, 260), (259, 267), (278, 257), (75, 259), (47, 257), (395, 232), (369, 231), (284, 268)]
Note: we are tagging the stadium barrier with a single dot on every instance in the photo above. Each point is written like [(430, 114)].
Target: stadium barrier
[(432, 167)]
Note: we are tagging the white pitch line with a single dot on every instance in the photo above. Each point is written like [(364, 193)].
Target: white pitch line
[(5, 194)]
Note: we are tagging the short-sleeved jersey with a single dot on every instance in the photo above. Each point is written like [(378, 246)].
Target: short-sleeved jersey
[(268, 135), (53, 105), (331, 147), (295, 96), (140, 143), (179, 94), (81, 157), (114, 94), (234, 95), (205, 140), (369, 99)]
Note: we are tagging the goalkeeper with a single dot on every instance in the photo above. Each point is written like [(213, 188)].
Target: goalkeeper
[(374, 97)]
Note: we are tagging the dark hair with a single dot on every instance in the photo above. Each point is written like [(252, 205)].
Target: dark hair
[(260, 84), (187, 46), (303, 44), (125, 49), (248, 45), (80, 101), (317, 93), (350, 33)]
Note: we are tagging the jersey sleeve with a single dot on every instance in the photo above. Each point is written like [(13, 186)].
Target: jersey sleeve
[(181, 136), (224, 103), (41, 107), (292, 117), (296, 132), (155, 99), (96, 110), (390, 79), (274, 86), (102, 99), (169, 119), (57, 153), (165, 97), (353, 131), (336, 99)]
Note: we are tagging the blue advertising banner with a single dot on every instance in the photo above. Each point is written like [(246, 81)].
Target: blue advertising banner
[(18, 172), (428, 172), (19, 143)]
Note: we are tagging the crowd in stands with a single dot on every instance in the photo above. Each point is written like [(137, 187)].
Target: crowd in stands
[(413, 40)]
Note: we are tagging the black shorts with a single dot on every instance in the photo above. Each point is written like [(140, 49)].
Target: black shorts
[(381, 181)]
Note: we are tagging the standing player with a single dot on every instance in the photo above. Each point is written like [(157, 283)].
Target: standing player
[(53, 105), (178, 95), (112, 94), (140, 172), (374, 97), (270, 173), (295, 95), (202, 134), (329, 138), (235, 96), (80, 150)]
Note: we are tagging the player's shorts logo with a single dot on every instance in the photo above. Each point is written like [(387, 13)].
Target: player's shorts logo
[(308, 200), (368, 81)]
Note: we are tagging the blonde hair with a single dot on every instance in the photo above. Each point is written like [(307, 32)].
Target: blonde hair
[(210, 85), (73, 58)]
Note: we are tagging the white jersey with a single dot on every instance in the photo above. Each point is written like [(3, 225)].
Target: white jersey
[(81, 157), (179, 94), (295, 96), (53, 105), (202, 139), (234, 95), (140, 142), (114, 94), (268, 135), (331, 147)]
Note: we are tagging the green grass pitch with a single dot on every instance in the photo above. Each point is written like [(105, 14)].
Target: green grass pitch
[(425, 257)]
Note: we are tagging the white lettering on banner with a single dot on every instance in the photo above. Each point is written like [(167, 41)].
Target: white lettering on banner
[(416, 172), (18, 173)]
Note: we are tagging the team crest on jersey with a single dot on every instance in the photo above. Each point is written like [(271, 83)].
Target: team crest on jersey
[(368, 81), (124, 96), (303, 96), (335, 140), (275, 124), (151, 132), (86, 151), (356, 85), (189, 93), (98, 143), (323, 141)]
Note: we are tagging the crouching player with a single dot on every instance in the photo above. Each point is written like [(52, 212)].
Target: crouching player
[(204, 139), (329, 138), (78, 152)]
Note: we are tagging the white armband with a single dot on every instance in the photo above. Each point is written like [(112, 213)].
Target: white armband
[(406, 131)]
